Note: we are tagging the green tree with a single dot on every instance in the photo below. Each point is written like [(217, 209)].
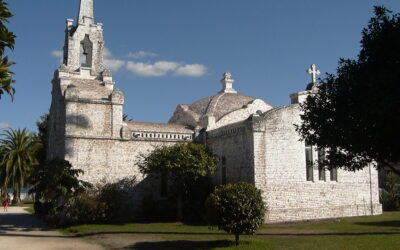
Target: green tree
[(42, 138), (236, 208), (390, 196), (355, 115), (7, 40), (182, 164), (17, 159), (3, 186), (53, 184)]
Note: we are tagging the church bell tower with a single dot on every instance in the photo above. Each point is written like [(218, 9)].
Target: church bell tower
[(84, 44), (84, 102)]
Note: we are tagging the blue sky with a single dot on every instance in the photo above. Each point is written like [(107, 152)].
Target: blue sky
[(266, 45)]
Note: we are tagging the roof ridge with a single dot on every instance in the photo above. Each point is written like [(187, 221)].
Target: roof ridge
[(213, 103)]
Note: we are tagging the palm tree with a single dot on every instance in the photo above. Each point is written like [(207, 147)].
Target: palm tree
[(3, 186), (18, 156)]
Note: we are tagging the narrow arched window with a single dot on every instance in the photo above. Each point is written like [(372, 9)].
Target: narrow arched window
[(86, 52), (333, 174), (321, 169), (309, 162)]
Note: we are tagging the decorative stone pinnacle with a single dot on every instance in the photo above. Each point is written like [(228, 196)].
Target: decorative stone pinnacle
[(86, 12), (107, 72), (227, 83), (227, 75), (314, 72)]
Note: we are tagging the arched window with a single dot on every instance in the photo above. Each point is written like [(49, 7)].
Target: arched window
[(86, 52), (309, 162), (321, 169), (334, 174)]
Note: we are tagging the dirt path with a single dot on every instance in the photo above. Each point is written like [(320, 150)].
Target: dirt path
[(22, 230)]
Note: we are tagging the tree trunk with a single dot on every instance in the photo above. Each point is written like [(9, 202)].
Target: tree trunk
[(3, 192), (237, 239), (17, 197), (179, 212)]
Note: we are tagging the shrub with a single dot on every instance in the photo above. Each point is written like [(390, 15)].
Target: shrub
[(62, 199), (118, 198), (54, 183), (84, 208), (103, 203), (236, 208), (156, 210), (161, 210), (42, 208), (390, 197)]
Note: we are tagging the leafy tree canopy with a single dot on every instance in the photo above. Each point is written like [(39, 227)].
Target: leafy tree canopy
[(236, 208), (55, 182), (42, 138), (183, 162), (7, 40), (355, 116)]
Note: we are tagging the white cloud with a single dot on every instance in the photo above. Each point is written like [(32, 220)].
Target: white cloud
[(141, 54), (146, 69), (194, 70), (156, 69), (163, 68), (58, 54), (4, 125), (110, 62), (113, 64), (107, 53)]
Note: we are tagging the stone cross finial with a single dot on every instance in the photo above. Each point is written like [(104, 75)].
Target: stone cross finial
[(227, 76), (86, 12), (227, 83), (314, 72)]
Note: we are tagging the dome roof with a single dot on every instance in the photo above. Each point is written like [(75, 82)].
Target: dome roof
[(219, 110), (221, 104)]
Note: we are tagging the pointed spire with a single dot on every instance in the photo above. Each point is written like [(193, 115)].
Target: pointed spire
[(86, 12)]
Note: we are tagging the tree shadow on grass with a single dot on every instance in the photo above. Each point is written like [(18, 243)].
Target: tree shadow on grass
[(181, 244), (393, 223), (149, 232), (330, 234), (390, 232)]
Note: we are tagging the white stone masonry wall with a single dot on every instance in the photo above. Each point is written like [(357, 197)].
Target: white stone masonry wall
[(289, 196), (235, 143)]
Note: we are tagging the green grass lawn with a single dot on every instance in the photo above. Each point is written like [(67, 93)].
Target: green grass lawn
[(376, 232)]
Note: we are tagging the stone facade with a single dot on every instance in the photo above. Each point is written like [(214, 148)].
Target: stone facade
[(254, 141), (286, 190)]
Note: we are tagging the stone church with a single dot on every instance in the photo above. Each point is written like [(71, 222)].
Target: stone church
[(255, 142)]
